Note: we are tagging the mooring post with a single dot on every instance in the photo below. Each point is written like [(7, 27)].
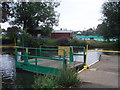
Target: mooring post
[(99, 57), (71, 54), (84, 56), (85, 61)]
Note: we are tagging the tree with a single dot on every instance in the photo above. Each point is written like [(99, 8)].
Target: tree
[(6, 11), (33, 14), (110, 28)]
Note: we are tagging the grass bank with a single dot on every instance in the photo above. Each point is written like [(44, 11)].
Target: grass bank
[(29, 42)]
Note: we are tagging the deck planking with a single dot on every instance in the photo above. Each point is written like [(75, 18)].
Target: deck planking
[(52, 63)]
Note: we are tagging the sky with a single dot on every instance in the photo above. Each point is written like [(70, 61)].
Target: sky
[(77, 14)]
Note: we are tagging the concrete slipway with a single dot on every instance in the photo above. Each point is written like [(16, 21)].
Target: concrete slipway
[(103, 74)]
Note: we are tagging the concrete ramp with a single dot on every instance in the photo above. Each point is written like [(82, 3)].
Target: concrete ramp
[(103, 74)]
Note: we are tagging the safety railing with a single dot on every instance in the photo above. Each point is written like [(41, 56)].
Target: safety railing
[(71, 51), (81, 51), (28, 53)]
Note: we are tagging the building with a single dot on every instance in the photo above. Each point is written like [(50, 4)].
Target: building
[(98, 38), (61, 34)]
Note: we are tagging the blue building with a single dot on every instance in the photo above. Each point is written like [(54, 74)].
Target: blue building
[(97, 38)]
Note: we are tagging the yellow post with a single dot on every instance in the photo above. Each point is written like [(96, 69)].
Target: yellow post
[(26, 50), (85, 66)]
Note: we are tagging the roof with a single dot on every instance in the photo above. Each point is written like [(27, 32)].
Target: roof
[(62, 31)]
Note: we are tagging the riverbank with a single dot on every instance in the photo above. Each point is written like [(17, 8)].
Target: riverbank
[(68, 42), (103, 74)]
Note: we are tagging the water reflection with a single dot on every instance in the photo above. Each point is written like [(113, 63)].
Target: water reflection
[(11, 78), (8, 70)]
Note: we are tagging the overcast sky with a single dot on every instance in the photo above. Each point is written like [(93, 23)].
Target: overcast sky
[(77, 14)]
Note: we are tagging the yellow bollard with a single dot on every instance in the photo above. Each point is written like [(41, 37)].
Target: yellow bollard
[(85, 66), (26, 50)]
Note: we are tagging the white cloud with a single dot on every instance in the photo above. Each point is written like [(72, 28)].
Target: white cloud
[(5, 25)]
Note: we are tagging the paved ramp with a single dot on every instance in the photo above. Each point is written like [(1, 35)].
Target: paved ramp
[(103, 74)]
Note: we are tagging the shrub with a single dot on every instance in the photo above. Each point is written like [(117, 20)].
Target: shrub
[(76, 42), (52, 42), (68, 77), (63, 41), (46, 81)]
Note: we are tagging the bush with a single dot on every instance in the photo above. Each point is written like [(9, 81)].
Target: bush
[(45, 82), (68, 77), (63, 42), (51, 42), (76, 42)]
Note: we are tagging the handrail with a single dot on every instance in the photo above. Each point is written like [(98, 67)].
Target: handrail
[(38, 48), (26, 55), (41, 57), (104, 51)]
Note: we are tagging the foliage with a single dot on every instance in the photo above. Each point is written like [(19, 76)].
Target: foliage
[(52, 42), (76, 42), (6, 11), (26, 39), (63, 42), (68, 77), (45, 81), (110, 28), (102, 44), (33, 14)]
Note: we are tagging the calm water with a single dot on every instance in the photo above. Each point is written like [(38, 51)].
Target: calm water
[(20, 79), (12, 78)]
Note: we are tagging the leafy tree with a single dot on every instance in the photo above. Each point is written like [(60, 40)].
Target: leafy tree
[(32, 14), (110, 28), (6, 11)]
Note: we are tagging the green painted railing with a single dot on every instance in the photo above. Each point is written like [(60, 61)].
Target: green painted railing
[(72, 53), (42, 53), (37, 51)]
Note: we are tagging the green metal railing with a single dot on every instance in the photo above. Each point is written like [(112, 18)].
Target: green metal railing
[(31, 57), (38, 54), (72, 53), (83, 50)]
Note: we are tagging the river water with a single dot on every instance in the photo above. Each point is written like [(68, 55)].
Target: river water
[(20, 79)]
